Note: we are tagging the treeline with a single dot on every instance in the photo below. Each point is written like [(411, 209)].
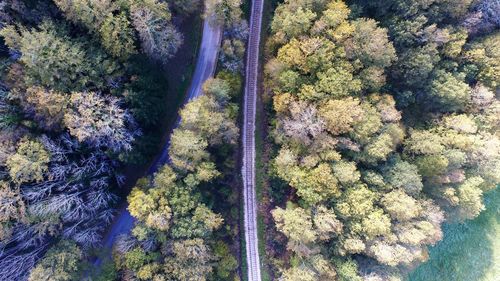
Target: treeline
[(173, 238), (78, 100), (386, 121)]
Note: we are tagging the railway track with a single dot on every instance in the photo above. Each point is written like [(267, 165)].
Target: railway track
[(248, 141)]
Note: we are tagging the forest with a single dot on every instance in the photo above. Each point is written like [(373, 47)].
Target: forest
[(377, 132), (82, 100), (384, 117)]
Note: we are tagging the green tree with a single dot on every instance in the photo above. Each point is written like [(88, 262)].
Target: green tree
[(52, 59), (225, 12), (227, 262), (416, 65), (297, 225), (117, 36), (190, 260), (470, 198), (88, 13), (291, 24), (30, 163), (404, 175), (48, 107), (218, 88), (187, 149), (61, 263), (450, 92), (213, 123), (340, 115), (370, 44)]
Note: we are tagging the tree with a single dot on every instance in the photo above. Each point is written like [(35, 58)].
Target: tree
[(470, 198), (405, 176), (372, 78), (291, 24), (346, 172), (484, 54), (212, 122), (52, 59), (29, 163), (297, 226), (100, 121), (12, 207), (312, 268), (343, 146), (400, 206), (347, 270), (219, 89), (159, 39), (313, 185), (191, 260), (380, 146), (117, 36), (88, 13), (450, 92), (227, 262), (356, 202), (185, 6), (368, 125), (304, 123), (340, 115), (370, 44), (326, 223), (310, 55), (415, 65), (224, 12), (48, 107), (455, 9), (209, 219), (376, 223), (150, 206), (187, 149), (333, 21), (61, 263)]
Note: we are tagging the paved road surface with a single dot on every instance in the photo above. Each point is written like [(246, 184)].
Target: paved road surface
[(248, 169), (205, 68)]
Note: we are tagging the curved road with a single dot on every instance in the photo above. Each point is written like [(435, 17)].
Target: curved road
[(248, 139), (205, 68)]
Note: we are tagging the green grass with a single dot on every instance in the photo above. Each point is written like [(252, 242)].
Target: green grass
[(469, 251), (259, 185)]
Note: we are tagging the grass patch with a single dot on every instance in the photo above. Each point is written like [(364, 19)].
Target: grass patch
[(469, 251), (260, 178)]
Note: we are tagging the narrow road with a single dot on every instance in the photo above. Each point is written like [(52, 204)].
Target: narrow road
[(248, 139), (205, 68)]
